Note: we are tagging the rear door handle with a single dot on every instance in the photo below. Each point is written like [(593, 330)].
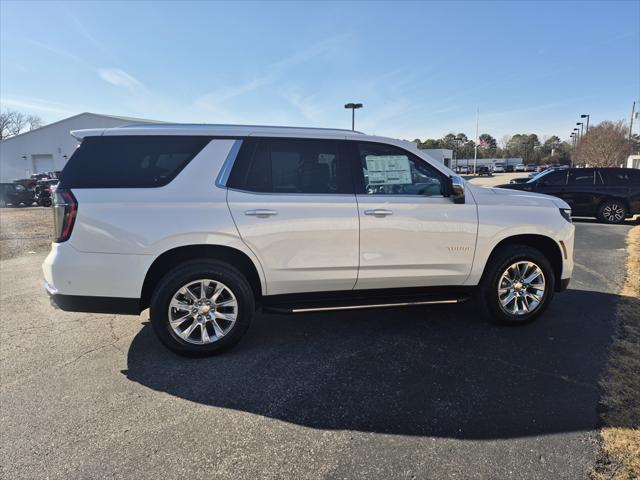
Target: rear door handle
[(260, 212), (378, 212)]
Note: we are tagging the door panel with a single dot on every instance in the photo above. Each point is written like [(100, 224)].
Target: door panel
[(422, 242), (580, 191), (294, 204), (305, 243), (411, 235)]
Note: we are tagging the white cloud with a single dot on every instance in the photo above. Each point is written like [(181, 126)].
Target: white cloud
[(215, 100), (308, 105), (119, 78), (38, 105)]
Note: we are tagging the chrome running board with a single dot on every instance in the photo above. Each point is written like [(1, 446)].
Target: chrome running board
[(310, 308)]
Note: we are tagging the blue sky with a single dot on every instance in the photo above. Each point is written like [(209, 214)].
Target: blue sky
[(420, 68)]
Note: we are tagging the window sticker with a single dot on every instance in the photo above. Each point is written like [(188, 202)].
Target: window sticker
[(388, 170)]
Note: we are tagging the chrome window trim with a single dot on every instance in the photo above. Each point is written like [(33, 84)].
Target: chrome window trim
[(225, 171), (350, 195)]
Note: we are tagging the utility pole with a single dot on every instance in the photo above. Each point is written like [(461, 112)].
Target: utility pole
[(475, 149), (633, 111)]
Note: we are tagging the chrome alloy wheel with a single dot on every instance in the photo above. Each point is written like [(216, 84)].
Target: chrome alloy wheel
[(521, 288), (613, 212), (203, 311)]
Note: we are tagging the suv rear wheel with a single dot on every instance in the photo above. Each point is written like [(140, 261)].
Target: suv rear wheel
[(612, 211), (202, 307), (517, 286)]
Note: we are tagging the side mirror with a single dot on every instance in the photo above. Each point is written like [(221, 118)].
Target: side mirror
[(456, 189)]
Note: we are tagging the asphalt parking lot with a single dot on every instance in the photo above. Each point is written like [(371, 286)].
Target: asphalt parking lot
[(404, 393)]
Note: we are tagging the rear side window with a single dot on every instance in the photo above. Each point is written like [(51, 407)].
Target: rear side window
[(581, 176), (129, 161), (288, 165), (619, 177)]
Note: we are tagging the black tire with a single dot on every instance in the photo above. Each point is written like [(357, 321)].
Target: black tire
[(487, 294), (191, 271), (612, 211)]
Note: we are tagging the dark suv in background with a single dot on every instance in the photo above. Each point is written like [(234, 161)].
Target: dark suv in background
[(610, 194), (14, 194)]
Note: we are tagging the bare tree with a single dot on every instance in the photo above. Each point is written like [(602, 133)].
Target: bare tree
[(33, 121), (605, 145), (13, 122)]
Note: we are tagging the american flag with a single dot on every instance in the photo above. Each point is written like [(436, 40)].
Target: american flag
[(483, 143)]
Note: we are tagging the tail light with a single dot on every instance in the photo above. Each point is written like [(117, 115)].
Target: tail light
[(65, 208)]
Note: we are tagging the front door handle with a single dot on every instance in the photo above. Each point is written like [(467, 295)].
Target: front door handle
[(260, 212), (378, 212)]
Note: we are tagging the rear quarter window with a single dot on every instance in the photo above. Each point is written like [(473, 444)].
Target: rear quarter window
[(620, 177), (129, 161)]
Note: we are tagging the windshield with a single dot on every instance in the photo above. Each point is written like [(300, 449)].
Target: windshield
[(538, 176)]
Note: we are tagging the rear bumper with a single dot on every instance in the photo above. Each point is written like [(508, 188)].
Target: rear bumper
[(75, 273), (82, 303)]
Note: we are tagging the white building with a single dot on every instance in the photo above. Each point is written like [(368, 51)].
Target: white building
[(47, 149), (441, 155), (633, 161), (489, 162)]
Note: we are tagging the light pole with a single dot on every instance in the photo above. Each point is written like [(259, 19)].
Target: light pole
[(581, 128), (455, 152), (353, 107), (586, 115)]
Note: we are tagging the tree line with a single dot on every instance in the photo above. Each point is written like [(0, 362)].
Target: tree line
[(606, 144), (527, 146)]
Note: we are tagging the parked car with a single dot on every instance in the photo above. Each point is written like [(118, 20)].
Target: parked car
[(521, 167), (498, 168), (519, 180), (609, 194), (484, 170), (463, 169), (14, 194), (205, 224), (509, 168), (530, 167), (44, 191)]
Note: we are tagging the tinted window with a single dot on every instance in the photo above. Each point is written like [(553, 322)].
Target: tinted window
[(135, 161), (620, 176), (553, 178), (283, 165), (390, 170), (581, 176)]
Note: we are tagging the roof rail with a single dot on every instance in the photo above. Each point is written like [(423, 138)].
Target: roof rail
[(230, 125)]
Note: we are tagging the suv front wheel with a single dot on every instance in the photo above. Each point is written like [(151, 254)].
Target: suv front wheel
[(202, 307), (517, 286)]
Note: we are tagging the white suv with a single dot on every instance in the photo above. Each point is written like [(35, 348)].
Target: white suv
[(205, 224)]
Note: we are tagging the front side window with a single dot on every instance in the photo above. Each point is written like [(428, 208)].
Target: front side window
[(581, 177), (389, 170), (552, 178), (291, 165)]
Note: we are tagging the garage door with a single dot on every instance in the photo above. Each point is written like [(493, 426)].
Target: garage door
[(42, 163)]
